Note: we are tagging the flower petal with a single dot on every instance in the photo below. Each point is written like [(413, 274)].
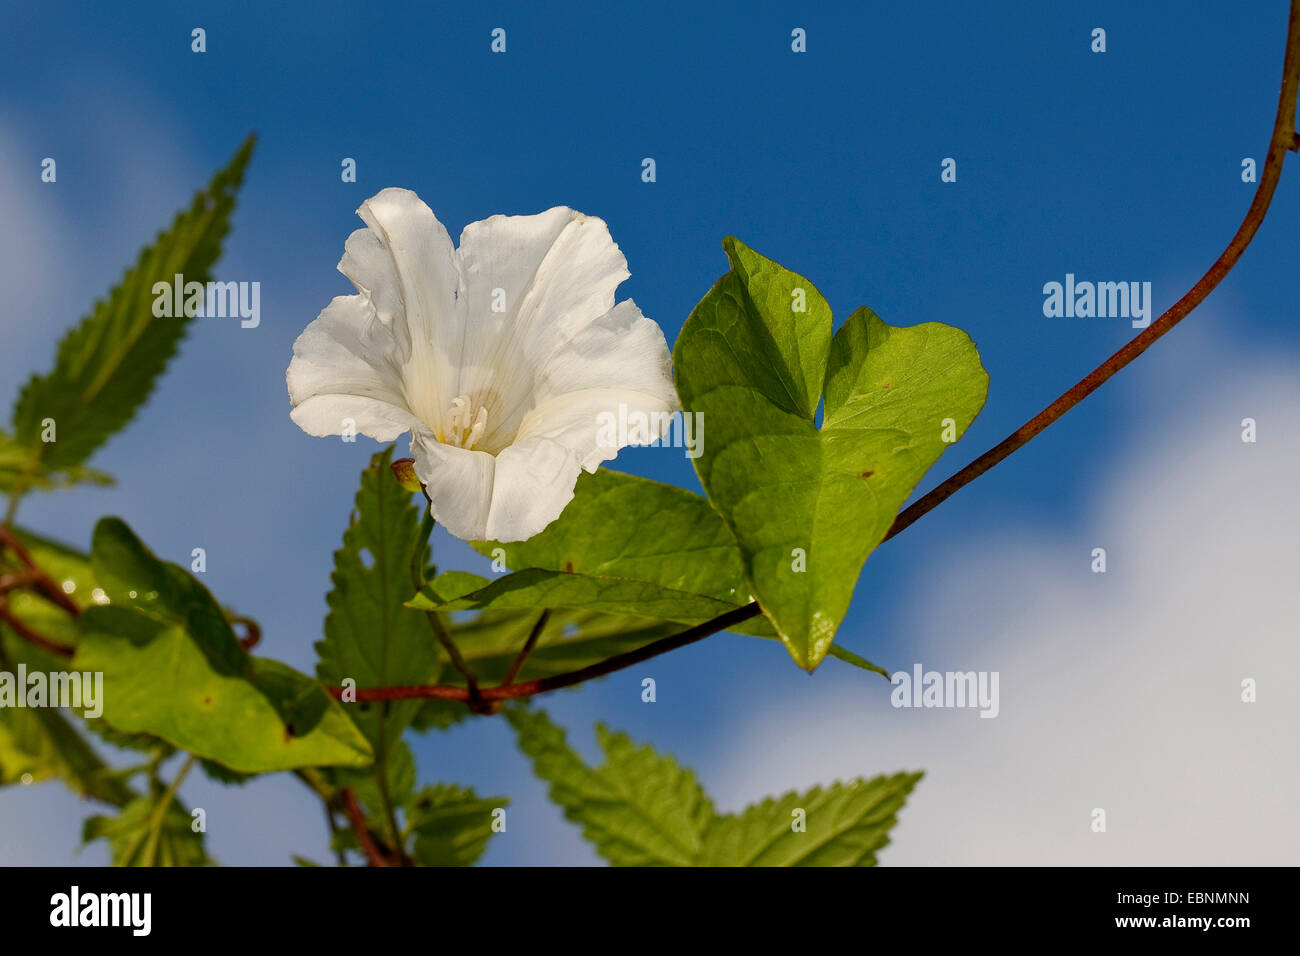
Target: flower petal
[(458, 482), (534, 482), (345, 367), (406, 267), (550, 275)]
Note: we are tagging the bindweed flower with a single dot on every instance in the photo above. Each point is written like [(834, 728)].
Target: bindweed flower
[(498, 357)]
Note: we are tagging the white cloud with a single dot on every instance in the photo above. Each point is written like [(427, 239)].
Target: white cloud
[(1119, 691)]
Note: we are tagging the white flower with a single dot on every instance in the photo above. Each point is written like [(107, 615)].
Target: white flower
[(498, 357)]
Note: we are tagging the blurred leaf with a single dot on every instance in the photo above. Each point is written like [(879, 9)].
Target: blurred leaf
[(17, 470), (370, 636), (173, 668), (128, 835), (452, 825), (41, 742), (642, 809), (807, 505), (106, 366)]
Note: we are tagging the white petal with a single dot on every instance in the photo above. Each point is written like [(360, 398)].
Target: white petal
[(509, 497), (557, 273), (618, 366), (405, 265), (458, 482), (345, 367), (534, 483)]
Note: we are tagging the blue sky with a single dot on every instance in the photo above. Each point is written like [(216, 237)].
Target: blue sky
[(1120, 166)]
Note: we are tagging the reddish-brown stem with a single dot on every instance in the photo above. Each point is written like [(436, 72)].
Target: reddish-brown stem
[(530, 688), (517, 664), (21, 628), (252, 632), (42, 581), (1284, 139), (357, 819)]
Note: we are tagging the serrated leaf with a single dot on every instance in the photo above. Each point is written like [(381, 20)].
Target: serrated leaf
[(642, 809), (106, 366), (173, 668), (807, 505), (452, 825), (846, 824), (371, 637), (18, 471), (638, 809)]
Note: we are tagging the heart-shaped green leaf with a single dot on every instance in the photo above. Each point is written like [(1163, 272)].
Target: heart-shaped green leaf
[(807, 504)]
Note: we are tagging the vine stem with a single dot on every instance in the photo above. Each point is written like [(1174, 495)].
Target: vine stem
[(530, 688), (352, 810), (1284, 139), (160, 814)]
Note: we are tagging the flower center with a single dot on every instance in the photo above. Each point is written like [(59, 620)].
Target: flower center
[(464, 426)]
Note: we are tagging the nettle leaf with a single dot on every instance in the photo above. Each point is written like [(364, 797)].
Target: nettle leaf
[(130, 835), (106, 366), (452, 825), (173, 668), (370, 636), (807, 505), (642, 809), (19, 470), (846, 825), (638, 809)]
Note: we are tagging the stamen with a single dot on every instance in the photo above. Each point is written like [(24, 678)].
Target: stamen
[(459, 430)]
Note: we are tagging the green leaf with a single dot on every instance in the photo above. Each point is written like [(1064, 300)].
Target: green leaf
[(538, 588), (39, 743), (623, 526), (686, 572), (370, 636), (68, 568), (846, 825), (452, 825), (128, 835), (18, 471), (807, 505), (638, 809), (173, 668), (569, 640), (642, 809), (106, 366), (689, 551)]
